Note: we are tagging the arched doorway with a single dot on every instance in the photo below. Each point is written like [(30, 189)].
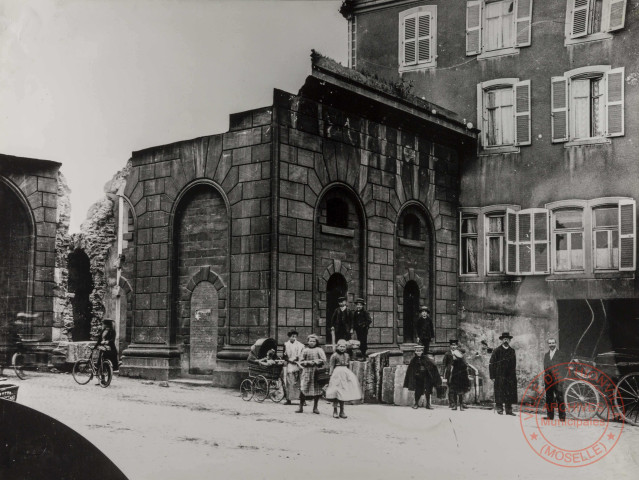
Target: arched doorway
[(15, 261), (80, 285), (200, 240), (335, 287), (411, 309)]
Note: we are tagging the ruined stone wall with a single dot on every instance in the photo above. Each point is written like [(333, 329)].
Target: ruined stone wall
[(63, 315)]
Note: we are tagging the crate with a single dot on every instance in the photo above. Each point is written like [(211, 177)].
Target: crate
[(9, 392)]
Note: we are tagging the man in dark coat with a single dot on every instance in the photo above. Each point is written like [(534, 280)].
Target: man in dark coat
[(555, 370), (341, 321), (421, 376), (424, 328), (360, 321), (503, 370), (456, 374)]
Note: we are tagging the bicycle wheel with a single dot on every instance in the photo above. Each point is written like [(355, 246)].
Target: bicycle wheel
[(582, 400), (260, 388), (276, 390), (17, 362), (246, 389), (626, 398), (82, 372), (105, 374)]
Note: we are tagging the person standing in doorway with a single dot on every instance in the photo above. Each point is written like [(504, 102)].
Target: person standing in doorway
[(554, 373), (341, 321), (361, 321), (292, 354), (424, 328), (503, 371)]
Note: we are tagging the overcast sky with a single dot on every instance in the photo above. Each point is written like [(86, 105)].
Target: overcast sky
[(87, 82)]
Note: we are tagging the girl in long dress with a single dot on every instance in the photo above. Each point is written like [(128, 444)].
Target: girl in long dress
[(313, 357), (343, 385)]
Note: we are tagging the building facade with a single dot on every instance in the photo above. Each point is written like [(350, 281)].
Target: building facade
[(547, 217), (347, 188)]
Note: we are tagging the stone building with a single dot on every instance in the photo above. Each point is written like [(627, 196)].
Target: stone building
[(547, 218), (350, 187), (32, 224)]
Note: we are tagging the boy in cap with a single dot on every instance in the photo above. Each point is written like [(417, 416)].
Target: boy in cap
[(421, 376), (456, 374), (361, 321), (424, 328), (341, 321)]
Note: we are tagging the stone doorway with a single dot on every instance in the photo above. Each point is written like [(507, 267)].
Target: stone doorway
[(80, 286), (335, 287), (203, 331), (411, 309)]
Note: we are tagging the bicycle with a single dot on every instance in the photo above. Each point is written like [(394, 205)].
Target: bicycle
[(25, 345), (84, 370)]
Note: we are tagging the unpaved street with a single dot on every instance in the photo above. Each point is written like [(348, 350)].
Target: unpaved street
[(186, 432)]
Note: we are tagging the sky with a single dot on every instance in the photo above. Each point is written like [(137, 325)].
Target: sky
[(87, 82)]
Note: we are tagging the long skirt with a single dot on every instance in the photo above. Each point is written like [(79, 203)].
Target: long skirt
[(292, 383), (343, 386), (308, 385)]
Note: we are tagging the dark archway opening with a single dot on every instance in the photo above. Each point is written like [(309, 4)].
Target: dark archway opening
[(411, 227), (411, 309), (81, 285), (335, 287), (336, 213)]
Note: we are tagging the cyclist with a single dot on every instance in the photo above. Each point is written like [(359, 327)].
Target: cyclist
[(106, 338)]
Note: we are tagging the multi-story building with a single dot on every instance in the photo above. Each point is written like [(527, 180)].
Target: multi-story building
[(547, 215)]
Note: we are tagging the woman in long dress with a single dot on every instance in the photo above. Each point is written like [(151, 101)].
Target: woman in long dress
[(292, 354), (312, 358), (343, 385)]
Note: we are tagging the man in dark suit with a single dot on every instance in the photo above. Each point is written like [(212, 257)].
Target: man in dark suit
[(554, 373), (503, 370), (341, 321), (360, 322)]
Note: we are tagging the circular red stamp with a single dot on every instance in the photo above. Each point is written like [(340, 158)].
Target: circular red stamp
[(571, 414)]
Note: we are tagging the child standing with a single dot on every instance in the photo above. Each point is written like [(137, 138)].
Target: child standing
[(421, 376), (343, 385)]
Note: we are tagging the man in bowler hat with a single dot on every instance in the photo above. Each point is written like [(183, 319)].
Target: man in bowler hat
[(503, 370), (424, 328), (341, 321), (360, 322)]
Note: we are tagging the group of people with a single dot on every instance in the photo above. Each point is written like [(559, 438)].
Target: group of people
[(301, 374), (346, 323)]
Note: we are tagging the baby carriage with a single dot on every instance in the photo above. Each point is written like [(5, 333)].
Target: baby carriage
[(264, 373)]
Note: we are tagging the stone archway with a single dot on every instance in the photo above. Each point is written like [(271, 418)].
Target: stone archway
[(80, 286), (409, 285), (332, 284)]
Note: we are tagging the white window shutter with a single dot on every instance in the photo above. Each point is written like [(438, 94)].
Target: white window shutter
[(615, 102), (424, 38), (523, 22), (522, 113), (525, 246), (614, 15), (473, 27), (541, 241), (511, 242), (627, 235), (409, 43), (580, 16), (559, 106)]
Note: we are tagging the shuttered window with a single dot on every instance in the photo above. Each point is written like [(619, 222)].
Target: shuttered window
[(528, 242), (492, 26), (418, 28), (592, 17), (588, 103), (504, 108)]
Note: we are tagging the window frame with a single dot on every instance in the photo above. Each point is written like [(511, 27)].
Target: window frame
[(502, 245), (521, 117), (417, 12), (572, 205), (613, 18), (462, 236)]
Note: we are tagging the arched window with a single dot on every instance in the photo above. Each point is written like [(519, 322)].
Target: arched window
[(336, 213), (411, 227)]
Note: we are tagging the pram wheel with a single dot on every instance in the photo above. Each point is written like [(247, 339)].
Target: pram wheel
[(260, 388), (246, 389)]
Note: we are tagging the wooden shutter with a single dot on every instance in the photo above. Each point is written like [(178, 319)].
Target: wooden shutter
[(541, 241), (409, 43), (511, 242), (614, 15), (580, 17), (559, 108), (523, 23), (424, 38), (627, 235), (473, 27), (614, 102), (522, 113)]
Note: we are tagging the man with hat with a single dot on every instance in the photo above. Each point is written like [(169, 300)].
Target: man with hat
[(421, 376), (423, 327), (341, 321), (106, 338), (361, 321), (502, 370), (292, 355)]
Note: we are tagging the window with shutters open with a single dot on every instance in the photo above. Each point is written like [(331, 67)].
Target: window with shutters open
[(588, 104), (588, 20), (527, 242), (418, 38), (497, 27), (504, 110)]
